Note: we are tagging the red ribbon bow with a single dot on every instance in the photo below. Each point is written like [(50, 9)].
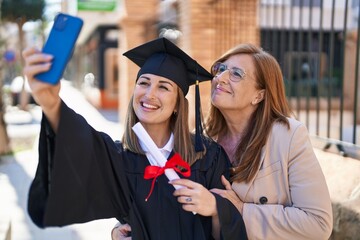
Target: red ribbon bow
[(152, 172)]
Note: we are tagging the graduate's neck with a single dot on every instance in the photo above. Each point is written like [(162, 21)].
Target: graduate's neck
[(159, 134)]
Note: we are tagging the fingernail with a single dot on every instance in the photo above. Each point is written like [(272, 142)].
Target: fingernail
[(47, 64)]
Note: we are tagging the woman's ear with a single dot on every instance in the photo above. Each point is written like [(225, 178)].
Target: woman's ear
[(259, 97)]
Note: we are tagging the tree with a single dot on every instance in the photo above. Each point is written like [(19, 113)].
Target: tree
[(4, 138), (20, 12)]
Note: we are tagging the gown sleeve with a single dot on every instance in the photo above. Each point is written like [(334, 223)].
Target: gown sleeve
[(78, 178), (231, 221)]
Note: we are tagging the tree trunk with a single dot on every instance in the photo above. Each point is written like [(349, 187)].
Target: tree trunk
[(24, 95), (4, 138)]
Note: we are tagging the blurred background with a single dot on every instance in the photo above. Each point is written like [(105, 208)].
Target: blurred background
[(315, 41)]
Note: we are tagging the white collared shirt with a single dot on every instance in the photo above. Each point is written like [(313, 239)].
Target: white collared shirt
[(166, 150)]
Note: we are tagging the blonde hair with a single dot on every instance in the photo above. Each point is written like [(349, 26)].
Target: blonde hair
[(183, 140), (274, 108)]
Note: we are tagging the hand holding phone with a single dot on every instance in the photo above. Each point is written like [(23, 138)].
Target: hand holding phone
[(60, 44)]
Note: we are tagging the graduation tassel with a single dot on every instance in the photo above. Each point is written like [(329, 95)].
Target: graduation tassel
[(198, 126)]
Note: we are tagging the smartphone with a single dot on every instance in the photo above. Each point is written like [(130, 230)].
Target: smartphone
[(60, 44)]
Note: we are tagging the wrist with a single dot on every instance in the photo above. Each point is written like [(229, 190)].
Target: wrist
[(53, 114), (52, 107)]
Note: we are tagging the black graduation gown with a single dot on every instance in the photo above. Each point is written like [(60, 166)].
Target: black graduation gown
[(84, 175)]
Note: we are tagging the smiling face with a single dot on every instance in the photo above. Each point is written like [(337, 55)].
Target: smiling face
[(155, 100), (242, 95)]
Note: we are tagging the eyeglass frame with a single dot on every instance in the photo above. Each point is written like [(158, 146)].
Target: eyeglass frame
[(232, 76)]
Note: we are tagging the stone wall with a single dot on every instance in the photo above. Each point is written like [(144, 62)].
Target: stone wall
[(343, 179)]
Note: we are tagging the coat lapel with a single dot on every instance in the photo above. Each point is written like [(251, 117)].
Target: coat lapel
[(242, 189)]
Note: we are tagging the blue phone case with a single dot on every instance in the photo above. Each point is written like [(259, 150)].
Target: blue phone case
[(60, 44)]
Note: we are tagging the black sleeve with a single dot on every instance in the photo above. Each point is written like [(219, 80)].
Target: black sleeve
[(79, 177), (231, 221), (216, 164)]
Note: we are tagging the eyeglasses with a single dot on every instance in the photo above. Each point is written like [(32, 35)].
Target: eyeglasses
[(236, 74)]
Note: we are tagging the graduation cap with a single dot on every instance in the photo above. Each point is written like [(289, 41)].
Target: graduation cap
[(163, 58)]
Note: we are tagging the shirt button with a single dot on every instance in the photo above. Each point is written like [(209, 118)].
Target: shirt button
[(263, 200)]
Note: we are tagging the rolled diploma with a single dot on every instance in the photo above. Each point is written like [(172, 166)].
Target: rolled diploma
[(143, 136)]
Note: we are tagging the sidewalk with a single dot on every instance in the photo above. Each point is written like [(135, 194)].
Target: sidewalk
[(18, 170)]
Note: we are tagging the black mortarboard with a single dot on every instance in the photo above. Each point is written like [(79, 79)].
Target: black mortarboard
[(163, 58)]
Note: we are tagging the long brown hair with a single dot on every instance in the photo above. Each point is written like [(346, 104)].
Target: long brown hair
[(183, 143), (273, 108)]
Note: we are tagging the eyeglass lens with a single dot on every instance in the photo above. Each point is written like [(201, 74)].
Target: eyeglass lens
[(236, 74)]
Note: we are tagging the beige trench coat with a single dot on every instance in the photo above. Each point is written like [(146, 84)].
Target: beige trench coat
[(289, 197)]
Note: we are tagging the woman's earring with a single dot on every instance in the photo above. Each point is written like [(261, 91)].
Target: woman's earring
[(175, 112)]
